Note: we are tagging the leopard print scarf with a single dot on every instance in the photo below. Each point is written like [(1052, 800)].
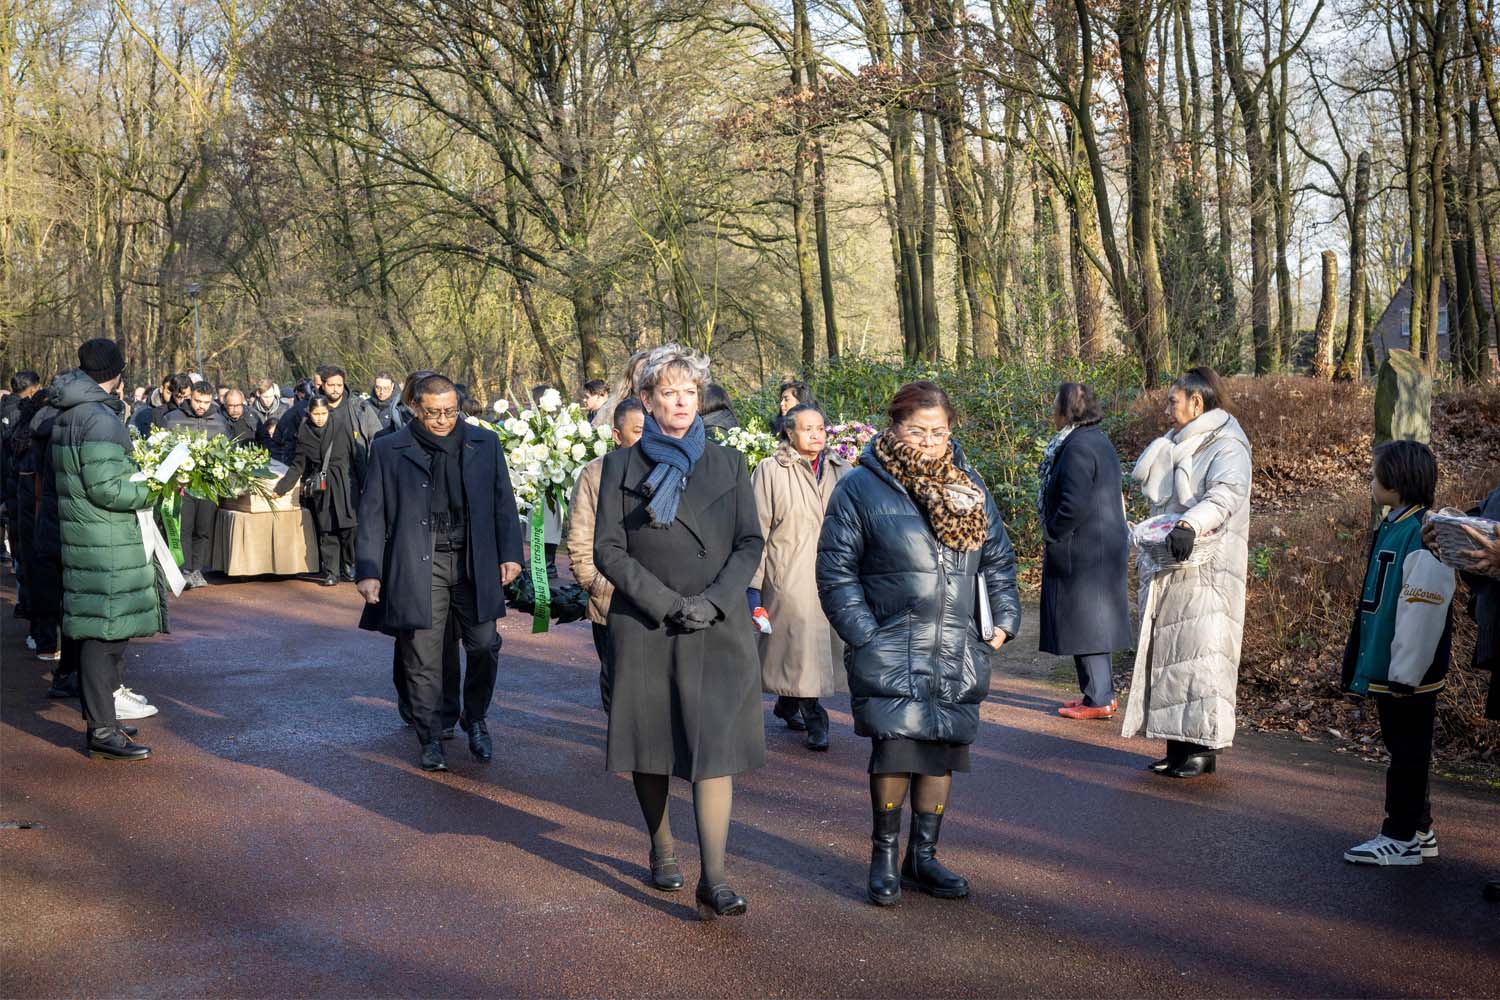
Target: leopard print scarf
[(953, 504)]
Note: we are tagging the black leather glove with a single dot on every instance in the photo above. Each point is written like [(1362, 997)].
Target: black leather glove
[(692, 613), (1180, 542)]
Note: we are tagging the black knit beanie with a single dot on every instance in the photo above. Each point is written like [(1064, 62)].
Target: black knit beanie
[(100, 359)]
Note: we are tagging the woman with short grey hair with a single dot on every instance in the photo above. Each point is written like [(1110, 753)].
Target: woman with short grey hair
[(678, 534)]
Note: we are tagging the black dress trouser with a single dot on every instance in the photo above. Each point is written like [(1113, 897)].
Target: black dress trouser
[(1406, 728), (197, 533), (101, 669), (421, 649), (335, 550), (451, 679)]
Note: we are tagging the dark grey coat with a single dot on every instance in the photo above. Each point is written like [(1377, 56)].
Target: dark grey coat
[(1486, 611), (684, 703), (905, 606), (1085, 604), (394, 542)]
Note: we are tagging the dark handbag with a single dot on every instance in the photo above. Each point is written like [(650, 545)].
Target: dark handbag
[(320, 481)]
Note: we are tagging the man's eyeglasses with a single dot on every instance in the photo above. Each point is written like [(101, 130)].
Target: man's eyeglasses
[(451, 413)]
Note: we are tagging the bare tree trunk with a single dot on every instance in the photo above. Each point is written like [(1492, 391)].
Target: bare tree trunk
[(1151, 331), (1351, 358), (1327, 311), (927, 248)]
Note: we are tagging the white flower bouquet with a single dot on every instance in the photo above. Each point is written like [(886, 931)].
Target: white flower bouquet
[(214, 468), (546, 448), (755, 445)]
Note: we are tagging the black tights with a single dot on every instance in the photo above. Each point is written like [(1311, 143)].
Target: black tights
[(712, 799), (929, 793)]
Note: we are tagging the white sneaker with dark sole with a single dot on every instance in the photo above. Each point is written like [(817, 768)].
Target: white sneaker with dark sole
[(1428, 841), (1382, 850)]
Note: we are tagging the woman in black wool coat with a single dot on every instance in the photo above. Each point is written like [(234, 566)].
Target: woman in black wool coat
[(322, 448), (1085, 609), (678, 534)]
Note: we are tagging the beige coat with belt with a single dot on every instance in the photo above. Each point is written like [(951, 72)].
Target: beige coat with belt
[(802, 657), (580, 536)]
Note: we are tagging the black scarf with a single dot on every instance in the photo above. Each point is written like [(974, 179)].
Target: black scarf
[(447, 475)]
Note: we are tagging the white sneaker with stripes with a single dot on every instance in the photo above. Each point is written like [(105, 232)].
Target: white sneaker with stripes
[(1428, 840), (1382, 850)]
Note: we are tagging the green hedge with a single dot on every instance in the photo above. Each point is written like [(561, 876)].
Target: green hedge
[(1004, 415)]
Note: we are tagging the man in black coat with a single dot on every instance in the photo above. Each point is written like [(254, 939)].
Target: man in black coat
[(201, 414), (244, 425), (439, 536)]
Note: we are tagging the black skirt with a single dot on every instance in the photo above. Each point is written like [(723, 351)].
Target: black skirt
[(899, 755)]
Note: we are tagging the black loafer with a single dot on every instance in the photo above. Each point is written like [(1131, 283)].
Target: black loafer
[(1160, 766), (789, 710), (111, 743), (720, 901), (666, 873), (328, 581), (480, 744), (433, 758)]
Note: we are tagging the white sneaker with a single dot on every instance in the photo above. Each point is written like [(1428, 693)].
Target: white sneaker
[(1382, 850), (31, 644), (123, 691), (51, 657), (127, 707), (1428, 841)]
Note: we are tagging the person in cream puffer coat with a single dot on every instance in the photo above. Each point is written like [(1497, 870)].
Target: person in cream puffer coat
[(1192, 616)]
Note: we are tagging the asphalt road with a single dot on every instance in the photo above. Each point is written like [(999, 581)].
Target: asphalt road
[(282, 841)]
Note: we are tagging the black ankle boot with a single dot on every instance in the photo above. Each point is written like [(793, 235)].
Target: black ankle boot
[(110, 743), (922, 868), (1195, 766), (816, 717), (885, 841), (789, 710)]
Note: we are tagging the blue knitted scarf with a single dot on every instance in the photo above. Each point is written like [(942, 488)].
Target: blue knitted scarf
[(674, 458)]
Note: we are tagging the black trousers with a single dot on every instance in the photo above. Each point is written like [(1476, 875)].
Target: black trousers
[(197, 533), (335, 550), (606, 663), (101, 668), (45, 599), (1095, 681), (1406, 724), (421, 650), (451, 677)]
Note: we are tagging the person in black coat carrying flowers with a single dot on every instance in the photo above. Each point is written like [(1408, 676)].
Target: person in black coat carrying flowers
[(330, 468), (904, 543), (439, 537), (678, 535)]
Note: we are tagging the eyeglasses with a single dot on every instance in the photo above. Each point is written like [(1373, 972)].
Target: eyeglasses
[(935, 435), (451, 413)]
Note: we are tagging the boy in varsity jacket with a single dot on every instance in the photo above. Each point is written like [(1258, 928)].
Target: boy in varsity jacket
[(1399, 647)]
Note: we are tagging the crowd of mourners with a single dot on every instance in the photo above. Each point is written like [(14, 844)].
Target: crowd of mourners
[(711, 584)]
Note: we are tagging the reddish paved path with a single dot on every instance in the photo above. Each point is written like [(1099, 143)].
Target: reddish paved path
[(282, 841)]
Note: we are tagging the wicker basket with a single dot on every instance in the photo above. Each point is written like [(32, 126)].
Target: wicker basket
[(1150, 539), (1453, 540)]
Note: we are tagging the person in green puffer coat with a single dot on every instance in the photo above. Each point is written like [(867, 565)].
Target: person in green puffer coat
[(110, 593)]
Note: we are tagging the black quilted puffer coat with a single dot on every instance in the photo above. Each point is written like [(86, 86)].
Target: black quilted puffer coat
[(905, 606)]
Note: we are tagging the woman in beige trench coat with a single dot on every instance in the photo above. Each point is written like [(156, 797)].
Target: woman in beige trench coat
[(802, 659)]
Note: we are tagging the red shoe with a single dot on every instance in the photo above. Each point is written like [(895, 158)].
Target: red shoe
[(1087, 711)]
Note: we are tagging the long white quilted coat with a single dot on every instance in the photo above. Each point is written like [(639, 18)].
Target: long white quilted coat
[(1188, 654)]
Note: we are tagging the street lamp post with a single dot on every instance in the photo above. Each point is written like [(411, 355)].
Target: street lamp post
[(193, 291)]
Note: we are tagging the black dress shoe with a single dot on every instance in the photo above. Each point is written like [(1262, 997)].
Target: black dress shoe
[(816, 717), (128, 730), (480, 744), (719, 901), (348, 575), (110, 743), (64, 687), (433, 758), (789, 710), (1161, 765), (666, 873), (1195, 766), (328, 580)]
